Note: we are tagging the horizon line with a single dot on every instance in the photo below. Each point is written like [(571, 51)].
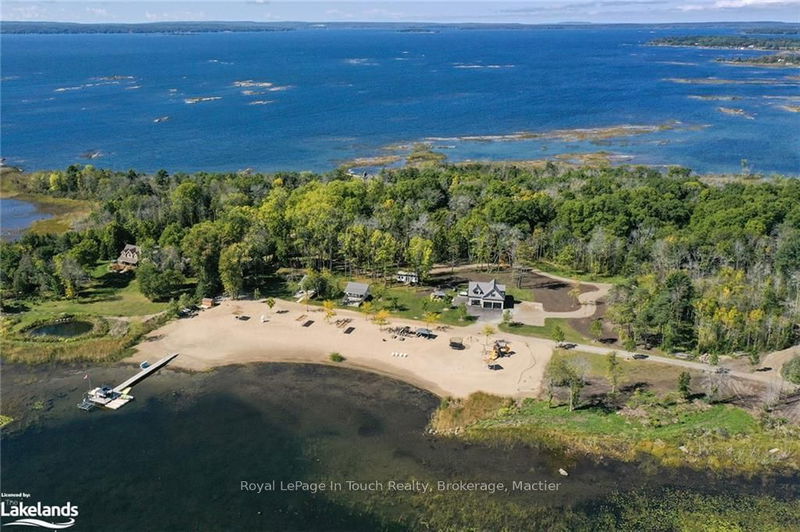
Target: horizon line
[(395, 22)]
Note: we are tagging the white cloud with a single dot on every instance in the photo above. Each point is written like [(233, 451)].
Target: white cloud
[(32, 12), (751, 3), (738, 4), (174, 16)]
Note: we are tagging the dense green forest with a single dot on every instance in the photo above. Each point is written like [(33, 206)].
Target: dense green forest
[(784, 29), (768, 60), (14, 27), (705, 264), (730, 41)]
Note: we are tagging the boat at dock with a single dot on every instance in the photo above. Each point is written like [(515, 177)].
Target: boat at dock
[(118, 396)]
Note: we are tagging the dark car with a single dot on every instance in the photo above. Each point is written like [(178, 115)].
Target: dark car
[(639, 356), (722, 370), (425, 333)]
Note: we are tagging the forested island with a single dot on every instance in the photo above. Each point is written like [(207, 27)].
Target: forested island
[(786, 29), (19, 27), (777, 60), (729, 41)]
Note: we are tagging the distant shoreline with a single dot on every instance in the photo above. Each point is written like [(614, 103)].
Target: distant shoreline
[(188, 27)]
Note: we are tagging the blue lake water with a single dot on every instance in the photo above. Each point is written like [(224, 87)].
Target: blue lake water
[(340, 94), (16, 216)]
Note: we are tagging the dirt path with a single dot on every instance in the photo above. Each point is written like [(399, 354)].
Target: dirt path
[(533, 312), (762, 377), (777, 359)]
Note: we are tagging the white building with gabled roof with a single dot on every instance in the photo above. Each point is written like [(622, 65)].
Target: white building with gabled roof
[(489, 295)]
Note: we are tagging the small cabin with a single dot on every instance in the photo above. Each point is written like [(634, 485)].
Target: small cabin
[(438, 295), (129, 256), (356, 293), (207, 302)]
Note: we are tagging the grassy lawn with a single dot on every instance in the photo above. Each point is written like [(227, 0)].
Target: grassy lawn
[(520, 294), (408, 302), (549, 267), (103, 301), (277, 286), (632, 371), (108, 294), (546, 330), (413, 302)]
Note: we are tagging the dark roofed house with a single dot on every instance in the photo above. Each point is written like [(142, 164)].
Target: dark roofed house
[(356, 293), (129, 255), (487, 295)]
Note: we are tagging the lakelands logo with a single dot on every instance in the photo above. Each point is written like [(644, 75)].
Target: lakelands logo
[(37, 515)]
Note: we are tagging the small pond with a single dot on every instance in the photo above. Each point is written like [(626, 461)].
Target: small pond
[(66, 329)]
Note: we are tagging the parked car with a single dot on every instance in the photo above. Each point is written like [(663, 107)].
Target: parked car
[(722, 370), (639, 356), (565, 345), (425, 333)]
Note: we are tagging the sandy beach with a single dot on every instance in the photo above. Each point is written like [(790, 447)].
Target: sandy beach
[(216, 338)]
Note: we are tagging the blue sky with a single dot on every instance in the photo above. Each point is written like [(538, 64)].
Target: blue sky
[(531, 11)]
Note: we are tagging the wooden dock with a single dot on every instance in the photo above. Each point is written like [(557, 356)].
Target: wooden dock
[(119, 396), (142, 375)]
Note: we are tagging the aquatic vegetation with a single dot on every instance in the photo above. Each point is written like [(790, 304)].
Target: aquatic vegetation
[(455, 415), (672, 433)]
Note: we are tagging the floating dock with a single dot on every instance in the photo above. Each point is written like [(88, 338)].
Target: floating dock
[(119, 396)]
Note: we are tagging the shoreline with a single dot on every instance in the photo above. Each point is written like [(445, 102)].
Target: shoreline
[(62, 212), (215, 338), (397, 154), (738, 48)]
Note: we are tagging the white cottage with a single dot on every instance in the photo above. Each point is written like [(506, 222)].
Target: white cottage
[(487, 295)]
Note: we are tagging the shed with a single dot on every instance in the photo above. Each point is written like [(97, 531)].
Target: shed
[(356, 293), (438, 295)]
